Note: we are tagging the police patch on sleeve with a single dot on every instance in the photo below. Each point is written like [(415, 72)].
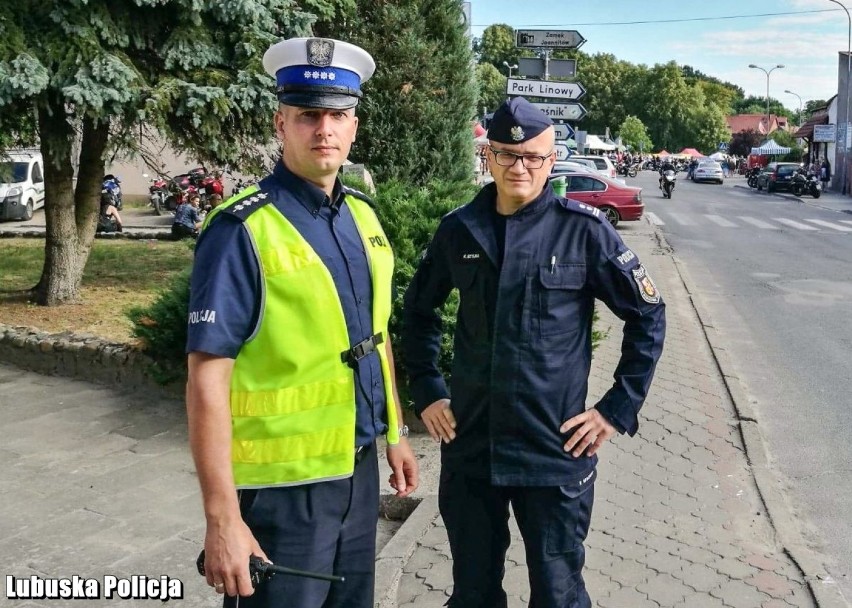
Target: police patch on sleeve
[(647, 289)]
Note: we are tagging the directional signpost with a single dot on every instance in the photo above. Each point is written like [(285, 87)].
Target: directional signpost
[(545, 88), (533, 67), (563, 132), (562, 111), (550, 39), (562, 151)]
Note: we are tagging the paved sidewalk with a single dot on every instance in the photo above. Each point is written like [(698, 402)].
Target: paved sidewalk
[(679, 520)]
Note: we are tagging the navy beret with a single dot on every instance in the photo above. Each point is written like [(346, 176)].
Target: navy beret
[(318, 72), (516, 121)]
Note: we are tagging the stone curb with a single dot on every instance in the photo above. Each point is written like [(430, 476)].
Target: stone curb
[(392, 558), (787, 533), (148, 235), (82, 356)]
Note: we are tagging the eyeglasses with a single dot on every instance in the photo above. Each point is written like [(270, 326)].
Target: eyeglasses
[(508, 159)]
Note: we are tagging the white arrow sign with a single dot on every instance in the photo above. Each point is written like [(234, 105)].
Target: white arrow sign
[(563, 132), (545, 88), (562, 151), (562, 111)]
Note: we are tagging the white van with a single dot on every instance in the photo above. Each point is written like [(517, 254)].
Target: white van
[(21, 184)]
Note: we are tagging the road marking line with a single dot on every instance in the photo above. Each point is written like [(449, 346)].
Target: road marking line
[(716, 219), (830, 225), (655, 219), (846, 222), (682, 219), (794, 224), (759, 223)]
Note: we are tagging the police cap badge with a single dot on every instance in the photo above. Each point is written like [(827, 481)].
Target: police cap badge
[(318, 72), (517, 121)]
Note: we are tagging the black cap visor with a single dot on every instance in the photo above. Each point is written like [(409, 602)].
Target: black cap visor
[(331, 98)]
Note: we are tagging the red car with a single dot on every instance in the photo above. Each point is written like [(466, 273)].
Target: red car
[(617, 201)]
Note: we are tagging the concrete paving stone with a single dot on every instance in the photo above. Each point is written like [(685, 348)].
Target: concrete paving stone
[(430, 599), (423, 559), (738, 594), (764, 562), (516, 582), (702, 600), (681, 466), (771, 584), (734, 568), (682, 502), (696, 555), (631, 573), (627, 597), (409, 589), (666, 563), (438, 575), (603, 561), (664, 589), (146, 470), (437, 535), (700, 577)]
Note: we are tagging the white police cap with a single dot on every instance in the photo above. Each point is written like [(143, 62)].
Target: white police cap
[(318, 72)]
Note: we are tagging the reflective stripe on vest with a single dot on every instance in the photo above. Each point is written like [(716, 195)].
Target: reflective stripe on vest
[(292, 398)]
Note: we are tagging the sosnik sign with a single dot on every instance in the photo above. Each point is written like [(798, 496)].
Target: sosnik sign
[(562, 111)]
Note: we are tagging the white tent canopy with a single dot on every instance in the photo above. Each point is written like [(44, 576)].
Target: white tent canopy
[(593, 142), (770, 147), (718, 156)]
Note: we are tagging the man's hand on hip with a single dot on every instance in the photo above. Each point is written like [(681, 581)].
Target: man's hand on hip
[(591, 430)]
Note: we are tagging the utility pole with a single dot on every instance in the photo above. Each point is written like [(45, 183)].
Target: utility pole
[(844, 189)]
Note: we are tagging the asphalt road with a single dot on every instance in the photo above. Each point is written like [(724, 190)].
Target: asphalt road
[(776, 276)]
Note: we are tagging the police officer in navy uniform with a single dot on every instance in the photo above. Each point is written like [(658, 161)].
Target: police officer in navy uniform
[(528, 266), (290, 365)]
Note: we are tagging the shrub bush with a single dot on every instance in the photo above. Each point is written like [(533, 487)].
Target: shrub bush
[(410, 216)]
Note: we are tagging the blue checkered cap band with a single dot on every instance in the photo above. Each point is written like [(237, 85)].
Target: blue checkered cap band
[(318, 72)]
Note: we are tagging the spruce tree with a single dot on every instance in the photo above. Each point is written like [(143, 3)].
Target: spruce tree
[(416, 116)]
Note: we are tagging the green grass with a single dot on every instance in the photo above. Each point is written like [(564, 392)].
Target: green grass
[(135, 265)]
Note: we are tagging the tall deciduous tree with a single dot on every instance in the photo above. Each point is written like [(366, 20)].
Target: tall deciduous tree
[(90, 72), (634, 134), (742, 142), (419, 107), (497, 45), (492, 87)]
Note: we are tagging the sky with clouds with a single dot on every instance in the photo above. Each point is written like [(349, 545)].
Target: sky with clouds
[(803, 35)]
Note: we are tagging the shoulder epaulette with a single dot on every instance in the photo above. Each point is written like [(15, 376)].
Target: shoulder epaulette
[(582, 208), (244, 203), (359, 194)]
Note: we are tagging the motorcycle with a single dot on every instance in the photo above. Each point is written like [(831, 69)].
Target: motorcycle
[(111, 191), (668, 179), (751, 177), (158, 191), (626, 169), (806, 184), (179, 189)]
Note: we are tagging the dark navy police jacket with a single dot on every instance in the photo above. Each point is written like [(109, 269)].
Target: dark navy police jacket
[(523, 340)]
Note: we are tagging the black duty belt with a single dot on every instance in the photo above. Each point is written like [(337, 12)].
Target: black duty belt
[(362, 349)]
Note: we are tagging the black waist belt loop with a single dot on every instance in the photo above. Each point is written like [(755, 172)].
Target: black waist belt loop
[(362, 349)]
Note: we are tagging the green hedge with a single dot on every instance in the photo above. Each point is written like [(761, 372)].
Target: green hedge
[(409, 215)]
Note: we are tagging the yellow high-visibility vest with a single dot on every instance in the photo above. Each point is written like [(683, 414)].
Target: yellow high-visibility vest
[(292, 397)]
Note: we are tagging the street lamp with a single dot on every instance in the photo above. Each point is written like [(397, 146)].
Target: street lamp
[(848, 71), (757, 67), (800, 101), (511, 67)]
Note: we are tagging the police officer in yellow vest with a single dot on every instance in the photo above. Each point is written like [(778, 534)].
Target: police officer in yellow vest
[(291, 374)]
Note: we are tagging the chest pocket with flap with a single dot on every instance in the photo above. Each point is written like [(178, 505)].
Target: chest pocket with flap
[(561, 298)]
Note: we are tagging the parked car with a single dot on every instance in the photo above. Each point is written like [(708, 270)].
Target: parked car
[(21, 184), (603, 164), (617, 201), (708, 171), (572, 163), (777, 176)]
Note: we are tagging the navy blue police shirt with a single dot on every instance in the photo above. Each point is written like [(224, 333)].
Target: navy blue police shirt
[(226, 279)]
